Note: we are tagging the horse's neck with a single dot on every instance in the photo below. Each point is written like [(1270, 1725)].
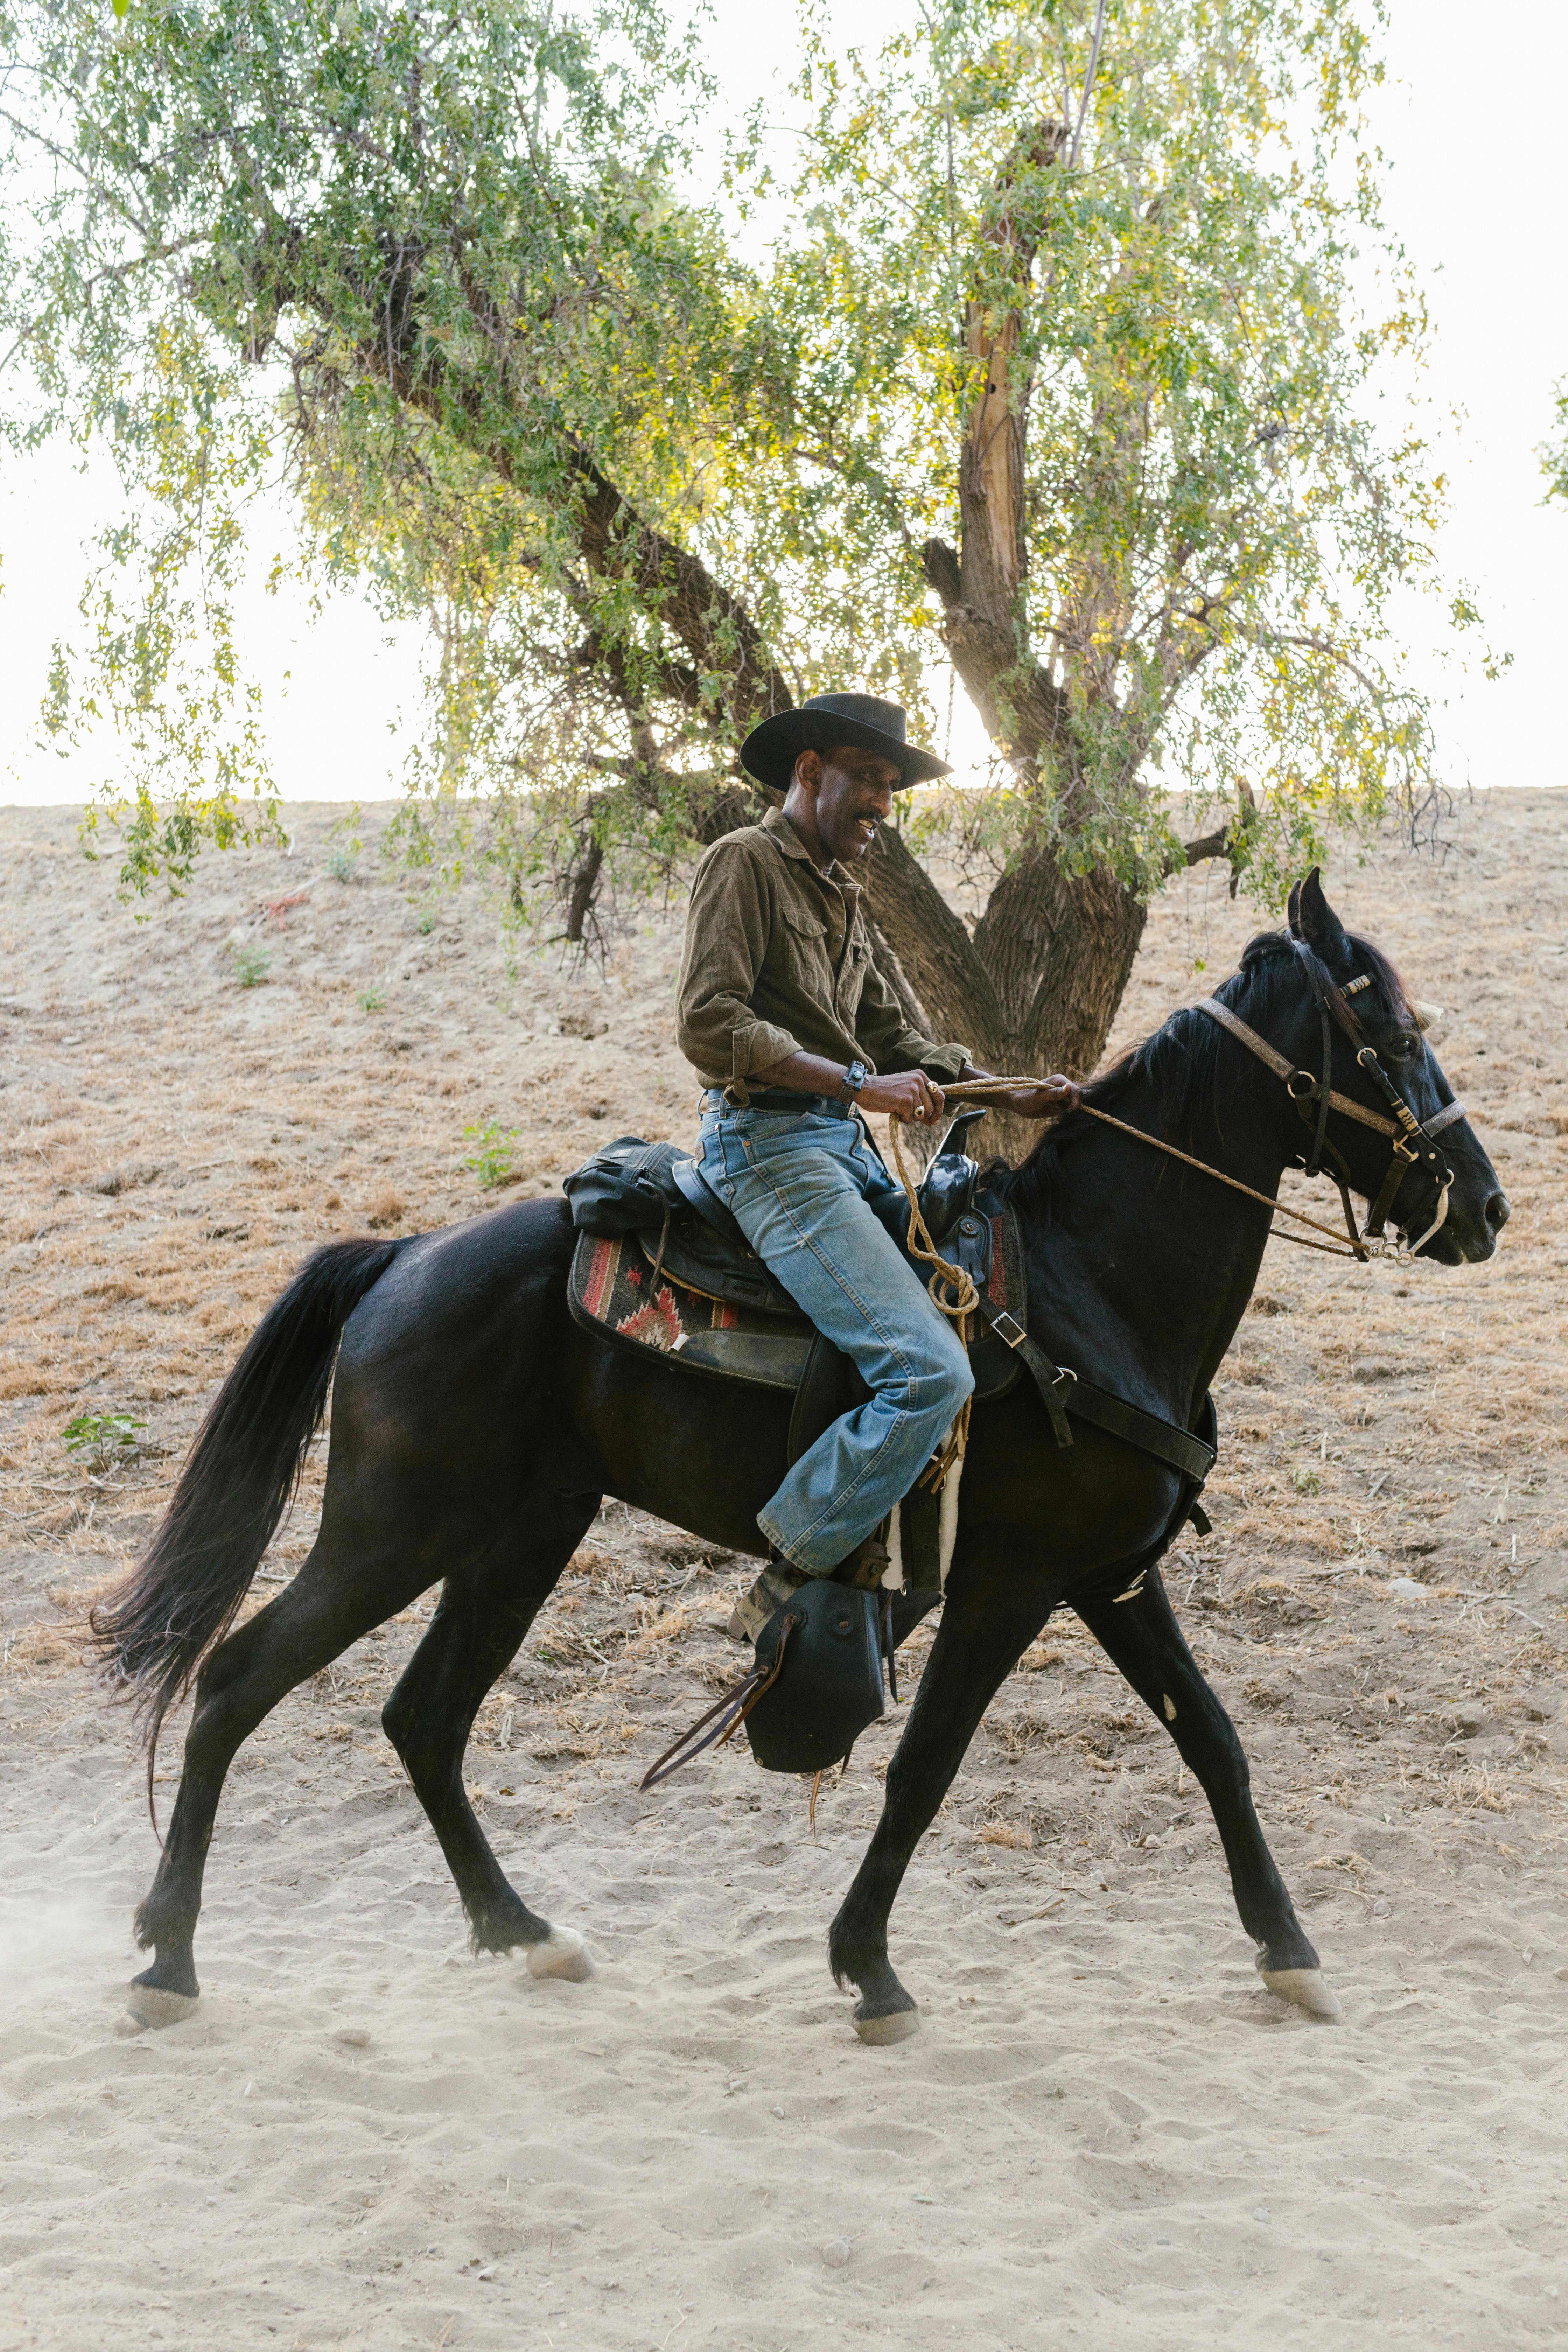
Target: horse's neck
[(1147, 1261)]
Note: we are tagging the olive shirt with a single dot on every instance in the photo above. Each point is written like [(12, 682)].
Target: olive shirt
[(778, 962)]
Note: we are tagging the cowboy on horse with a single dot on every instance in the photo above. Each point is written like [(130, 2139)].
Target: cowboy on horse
[(794, 1032)]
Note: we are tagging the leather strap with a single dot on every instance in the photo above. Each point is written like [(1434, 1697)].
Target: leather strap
[(1281, 1068), (1066, 1392), (1336, 1102), (1319, 994)]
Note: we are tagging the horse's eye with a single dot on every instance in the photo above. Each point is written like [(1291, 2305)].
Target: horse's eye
[(1405, 1048)]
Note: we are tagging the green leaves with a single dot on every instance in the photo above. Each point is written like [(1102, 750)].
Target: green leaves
[(1095, 430), (102, 1441), (1207, 532)]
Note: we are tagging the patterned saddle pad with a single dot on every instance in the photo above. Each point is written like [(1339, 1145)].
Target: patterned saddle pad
[(611, 1292)]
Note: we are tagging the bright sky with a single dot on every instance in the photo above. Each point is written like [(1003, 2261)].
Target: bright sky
[(1472, 193)]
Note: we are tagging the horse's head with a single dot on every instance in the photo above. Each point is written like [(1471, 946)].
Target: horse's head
[(1378, 1050)]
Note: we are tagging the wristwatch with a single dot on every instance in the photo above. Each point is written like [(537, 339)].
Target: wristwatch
[(854, 1078)]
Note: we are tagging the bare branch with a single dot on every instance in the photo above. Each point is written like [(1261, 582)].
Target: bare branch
[(1087, 84)]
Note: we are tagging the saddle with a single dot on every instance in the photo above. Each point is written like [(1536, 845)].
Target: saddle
[(661, 1262)]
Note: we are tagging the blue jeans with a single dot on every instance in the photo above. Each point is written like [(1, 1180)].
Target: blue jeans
[(800, 1186)]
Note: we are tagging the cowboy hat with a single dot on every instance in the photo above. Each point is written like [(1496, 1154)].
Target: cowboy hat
[(770, 750)]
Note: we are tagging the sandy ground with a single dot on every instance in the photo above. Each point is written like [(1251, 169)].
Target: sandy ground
[(364, 2138)]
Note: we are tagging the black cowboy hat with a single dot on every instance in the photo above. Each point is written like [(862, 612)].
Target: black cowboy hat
[(770, 750)]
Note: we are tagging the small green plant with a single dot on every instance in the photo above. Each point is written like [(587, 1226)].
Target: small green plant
[(426, 922), (1305, 1481), (251, 965), (491, 1158), (343, 856), (372, 1000), (100, 1440)]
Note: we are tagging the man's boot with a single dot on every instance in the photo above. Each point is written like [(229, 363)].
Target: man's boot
[(780, 1578), (777, 1582)]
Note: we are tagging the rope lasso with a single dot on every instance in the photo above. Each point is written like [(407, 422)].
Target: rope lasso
[(952, 1291)]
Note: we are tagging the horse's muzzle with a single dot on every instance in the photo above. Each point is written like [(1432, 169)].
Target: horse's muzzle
[(1470, 1240)]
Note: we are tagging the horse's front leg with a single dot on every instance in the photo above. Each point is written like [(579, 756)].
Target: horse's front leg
[(995, 1608), (1143, 1638)]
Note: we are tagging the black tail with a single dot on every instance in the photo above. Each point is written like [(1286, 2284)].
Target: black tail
[(180, 1599)]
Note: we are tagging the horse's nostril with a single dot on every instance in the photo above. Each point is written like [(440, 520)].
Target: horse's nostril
[(1497, 1211)]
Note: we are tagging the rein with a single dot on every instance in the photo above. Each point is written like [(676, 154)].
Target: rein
[(1413, 1140)]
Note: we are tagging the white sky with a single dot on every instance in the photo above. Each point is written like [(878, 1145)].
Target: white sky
[(1473, 194)]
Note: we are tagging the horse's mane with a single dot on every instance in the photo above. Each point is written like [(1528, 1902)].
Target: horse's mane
[(1189, 1059)]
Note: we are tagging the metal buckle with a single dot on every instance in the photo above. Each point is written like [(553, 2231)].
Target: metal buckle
[(1006, 1329), (1309, 1086)]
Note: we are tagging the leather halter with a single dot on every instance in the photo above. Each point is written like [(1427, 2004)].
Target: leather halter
[(1413, 1140)]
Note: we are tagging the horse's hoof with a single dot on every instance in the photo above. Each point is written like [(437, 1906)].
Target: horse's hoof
[(562, 1954), (156, 2005), (894, 2025), (1306, 1988)]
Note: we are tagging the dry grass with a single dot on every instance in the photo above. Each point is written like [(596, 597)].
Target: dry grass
[(163, 1174)]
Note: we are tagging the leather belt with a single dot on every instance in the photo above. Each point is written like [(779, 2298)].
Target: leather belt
[(780, 1099)]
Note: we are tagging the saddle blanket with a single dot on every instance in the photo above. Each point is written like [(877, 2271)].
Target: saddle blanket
[(612, 1291)]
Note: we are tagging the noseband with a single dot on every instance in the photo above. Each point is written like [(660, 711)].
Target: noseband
[(1413, 1140)]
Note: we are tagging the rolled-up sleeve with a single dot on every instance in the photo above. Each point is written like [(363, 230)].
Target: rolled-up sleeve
[(728, 922), (891, 1045)]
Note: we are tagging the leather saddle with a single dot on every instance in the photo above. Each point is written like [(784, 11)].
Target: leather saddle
[(661, 1262), (660, 1194)]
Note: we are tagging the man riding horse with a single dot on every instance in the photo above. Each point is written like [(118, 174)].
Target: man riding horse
[(793, 1031)]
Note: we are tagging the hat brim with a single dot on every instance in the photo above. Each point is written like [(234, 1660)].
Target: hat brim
[(770, 750)]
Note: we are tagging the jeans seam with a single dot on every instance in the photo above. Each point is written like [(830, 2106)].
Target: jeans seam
[(902, 1416)]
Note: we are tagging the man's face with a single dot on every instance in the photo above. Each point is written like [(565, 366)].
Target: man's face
[(853, 798)]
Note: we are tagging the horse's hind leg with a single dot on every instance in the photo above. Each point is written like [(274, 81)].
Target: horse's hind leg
[(336, 1597), (476, 1631), (988, 1621), (1143, 1637)]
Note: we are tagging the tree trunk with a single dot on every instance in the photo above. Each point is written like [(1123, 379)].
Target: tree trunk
[(1036, 988)]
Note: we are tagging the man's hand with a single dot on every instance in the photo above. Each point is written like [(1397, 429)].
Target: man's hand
[(1052, 1095), (907, 1094)]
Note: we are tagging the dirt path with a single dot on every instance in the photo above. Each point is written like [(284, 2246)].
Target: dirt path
[(366, 2138)]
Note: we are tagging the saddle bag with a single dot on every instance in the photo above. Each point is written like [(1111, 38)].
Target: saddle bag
[(830, 1684), (627, 1188)]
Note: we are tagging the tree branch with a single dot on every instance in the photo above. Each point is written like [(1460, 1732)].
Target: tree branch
[(1230, 841)]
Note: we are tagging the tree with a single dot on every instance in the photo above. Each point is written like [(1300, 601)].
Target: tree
[(1554, 453), (1053, 370)]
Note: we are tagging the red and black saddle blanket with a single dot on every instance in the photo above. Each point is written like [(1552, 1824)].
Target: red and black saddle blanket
[(612, 1291)]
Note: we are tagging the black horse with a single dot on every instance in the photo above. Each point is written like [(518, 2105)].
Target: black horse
[(475, 1429)]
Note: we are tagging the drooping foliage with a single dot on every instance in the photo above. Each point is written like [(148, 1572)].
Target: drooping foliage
[(1031, 347)]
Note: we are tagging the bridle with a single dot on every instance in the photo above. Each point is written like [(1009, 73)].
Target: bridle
[(1413, 1140)]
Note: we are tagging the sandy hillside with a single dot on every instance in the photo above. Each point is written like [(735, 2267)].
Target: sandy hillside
[(366, 2138)]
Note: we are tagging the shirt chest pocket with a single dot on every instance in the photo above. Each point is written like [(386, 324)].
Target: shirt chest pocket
[(805, 954), (852, 976)]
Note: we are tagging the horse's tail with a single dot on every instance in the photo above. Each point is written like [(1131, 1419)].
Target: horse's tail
[(153, 1631)]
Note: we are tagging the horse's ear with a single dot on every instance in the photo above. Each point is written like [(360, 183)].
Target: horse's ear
[(1313, 919), (1293, 911)]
